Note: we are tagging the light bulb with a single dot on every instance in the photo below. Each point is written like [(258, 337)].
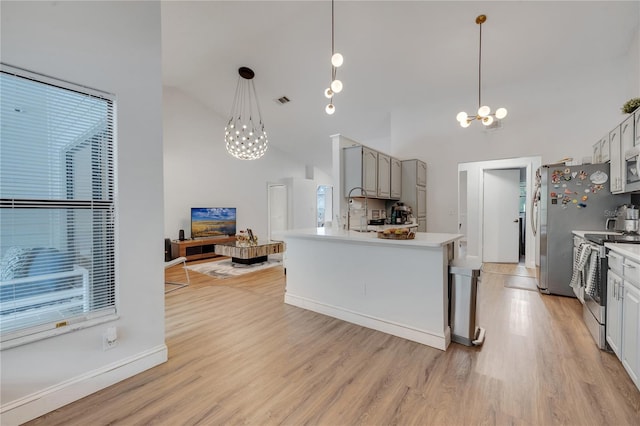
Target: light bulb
[(337, 60), (462, 116), (465, 123), (501, 113), (336, 86), (487, 120), (330, 109), (483, 111), (328, 93)]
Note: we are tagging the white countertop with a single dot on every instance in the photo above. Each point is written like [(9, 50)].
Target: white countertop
[(632, 251), (581, 233), (424, 239)]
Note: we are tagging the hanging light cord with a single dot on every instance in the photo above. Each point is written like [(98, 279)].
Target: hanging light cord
[(480, 70), (333, 69)]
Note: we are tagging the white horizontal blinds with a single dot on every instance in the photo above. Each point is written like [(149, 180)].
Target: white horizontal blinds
[(57, 209)]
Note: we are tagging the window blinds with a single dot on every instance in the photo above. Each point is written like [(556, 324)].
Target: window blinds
[(57, 204)]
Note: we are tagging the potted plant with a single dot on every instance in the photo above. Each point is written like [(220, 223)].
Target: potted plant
[(631, 105)]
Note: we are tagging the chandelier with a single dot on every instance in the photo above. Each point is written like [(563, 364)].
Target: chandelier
[(484, 112), (245, 136), (336, 61)]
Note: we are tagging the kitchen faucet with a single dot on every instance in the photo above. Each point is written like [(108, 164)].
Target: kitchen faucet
[(366, 213)]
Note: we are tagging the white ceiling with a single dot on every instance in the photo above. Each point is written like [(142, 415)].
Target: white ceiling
[(397, 55)]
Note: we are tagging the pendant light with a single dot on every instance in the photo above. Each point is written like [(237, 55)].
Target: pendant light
[(484, 112), (245, 136), (336, 62)]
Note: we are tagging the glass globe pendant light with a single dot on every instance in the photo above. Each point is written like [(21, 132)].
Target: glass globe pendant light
[(484, 111), (244, 134)]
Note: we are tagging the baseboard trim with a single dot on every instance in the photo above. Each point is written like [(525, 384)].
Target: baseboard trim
[(406, 332), (35, 405)]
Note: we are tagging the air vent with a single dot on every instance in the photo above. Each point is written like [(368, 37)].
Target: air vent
[(497, 124), (283, 100)]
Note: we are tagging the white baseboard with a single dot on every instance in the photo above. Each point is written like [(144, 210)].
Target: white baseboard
[(35, 405), (406, 332)]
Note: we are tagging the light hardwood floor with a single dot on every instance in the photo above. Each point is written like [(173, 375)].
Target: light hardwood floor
[(239, 355)]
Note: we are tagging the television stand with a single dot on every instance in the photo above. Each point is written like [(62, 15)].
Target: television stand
[(201, 248)]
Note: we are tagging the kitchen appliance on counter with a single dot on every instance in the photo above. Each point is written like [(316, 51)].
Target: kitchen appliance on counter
[(400, 214), (567, 198), (627, 219)]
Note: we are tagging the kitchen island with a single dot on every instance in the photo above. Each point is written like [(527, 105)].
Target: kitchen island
[(398, 287)]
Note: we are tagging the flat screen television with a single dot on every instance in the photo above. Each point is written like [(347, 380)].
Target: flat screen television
[(213, 221)]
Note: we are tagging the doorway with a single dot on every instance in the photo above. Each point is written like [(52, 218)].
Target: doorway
[(324, 205), (501, 226), (277, 210), (471, 200)]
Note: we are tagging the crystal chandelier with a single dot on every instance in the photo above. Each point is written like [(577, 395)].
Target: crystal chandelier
[(484, 112), (245, 136), (336, 61)]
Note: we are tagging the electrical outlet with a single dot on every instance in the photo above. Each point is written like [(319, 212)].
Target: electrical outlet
[(109, 338)]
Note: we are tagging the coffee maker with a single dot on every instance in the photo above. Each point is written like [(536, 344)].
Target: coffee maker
[(400, 214), (627, 220)]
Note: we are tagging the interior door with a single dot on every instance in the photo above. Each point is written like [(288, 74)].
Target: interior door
[(278, 207), (501, 216)]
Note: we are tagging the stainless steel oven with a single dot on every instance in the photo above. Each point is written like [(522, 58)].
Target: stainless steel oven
[(595, 301)]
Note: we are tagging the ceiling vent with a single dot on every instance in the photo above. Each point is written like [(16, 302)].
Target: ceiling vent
[(497, 124), (283, 100)]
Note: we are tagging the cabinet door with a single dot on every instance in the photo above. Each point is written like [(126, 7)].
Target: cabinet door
[(636, 116), (616, 181), (421, 178), (596, 152), (396, 179), (631, 332), (384, 176), (614, 312), (604, 145), (627, 133), (422, 202), (370, 171)]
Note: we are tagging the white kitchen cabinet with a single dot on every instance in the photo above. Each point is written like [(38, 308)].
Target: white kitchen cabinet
[(384, 176), (627, 134), (623, 308), (614, 311), (616, 159), (604, 145), (361, 169), (414, 190), (597, 152), (396, 179), (636, 118), (631, 331)]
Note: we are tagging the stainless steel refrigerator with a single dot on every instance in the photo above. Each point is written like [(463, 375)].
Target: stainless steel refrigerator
[(569, 198)]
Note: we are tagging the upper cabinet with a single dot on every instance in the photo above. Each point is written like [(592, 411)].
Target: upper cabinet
[(616, 182), (637, 127), (361, 170), (379, 174), (396, 178), (612, 148), (384, 176)]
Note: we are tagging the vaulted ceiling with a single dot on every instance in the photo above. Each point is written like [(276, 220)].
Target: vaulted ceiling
[(397, 55)]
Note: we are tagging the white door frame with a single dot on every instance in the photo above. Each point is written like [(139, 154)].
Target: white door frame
[(475, 206), (269, 207)]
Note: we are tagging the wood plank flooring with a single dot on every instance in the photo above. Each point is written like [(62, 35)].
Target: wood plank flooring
[(239, 355)]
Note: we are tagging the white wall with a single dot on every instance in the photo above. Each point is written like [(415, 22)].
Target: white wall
[(200, 173), (114, 47), (554, 117)]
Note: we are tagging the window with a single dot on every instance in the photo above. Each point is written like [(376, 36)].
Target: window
[(57, 206)]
